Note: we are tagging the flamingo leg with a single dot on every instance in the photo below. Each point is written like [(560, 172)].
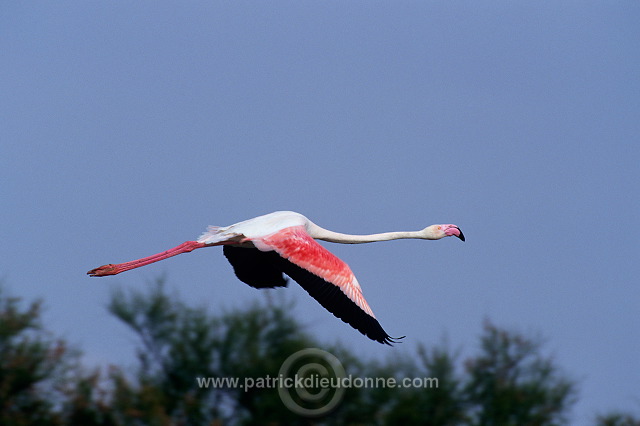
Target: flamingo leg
[(116, 268)]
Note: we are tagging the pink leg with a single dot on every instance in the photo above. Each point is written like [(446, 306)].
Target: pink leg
[(113, 269)]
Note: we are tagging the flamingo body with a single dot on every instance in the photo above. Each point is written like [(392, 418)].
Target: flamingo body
[(254, 229), (264, 249)]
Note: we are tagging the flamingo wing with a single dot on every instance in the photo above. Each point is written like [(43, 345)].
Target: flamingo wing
[(325, 277), (259, 269)]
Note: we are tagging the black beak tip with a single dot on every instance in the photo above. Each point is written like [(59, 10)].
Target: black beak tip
[(461, 236)]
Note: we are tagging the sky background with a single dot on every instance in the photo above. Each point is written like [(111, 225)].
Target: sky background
[(128, 127)]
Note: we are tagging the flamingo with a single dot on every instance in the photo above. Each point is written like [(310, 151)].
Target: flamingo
[(264, 248)]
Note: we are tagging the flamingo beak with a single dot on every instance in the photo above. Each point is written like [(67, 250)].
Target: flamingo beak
[(453, 231)]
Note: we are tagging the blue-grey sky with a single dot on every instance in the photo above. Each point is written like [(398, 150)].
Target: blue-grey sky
[(127, 128)]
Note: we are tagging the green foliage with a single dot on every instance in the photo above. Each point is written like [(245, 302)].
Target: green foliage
[(511, 383), (508, 382), (444, 405), (33, 366), (180, 344), (617, 419)]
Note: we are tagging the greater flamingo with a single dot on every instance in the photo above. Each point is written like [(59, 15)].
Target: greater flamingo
[(264, 248)]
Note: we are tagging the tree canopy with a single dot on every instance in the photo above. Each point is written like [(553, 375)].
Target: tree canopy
[(181, 349)]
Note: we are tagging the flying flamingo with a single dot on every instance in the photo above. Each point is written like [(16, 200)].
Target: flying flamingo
[(264, 248)]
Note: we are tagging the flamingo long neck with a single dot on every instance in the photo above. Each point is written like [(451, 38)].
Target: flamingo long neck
[(336, 237)]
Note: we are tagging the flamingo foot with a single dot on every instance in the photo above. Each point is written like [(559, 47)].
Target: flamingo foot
[(104, 270)]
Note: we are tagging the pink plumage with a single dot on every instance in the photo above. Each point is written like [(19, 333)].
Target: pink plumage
[(295, 245)]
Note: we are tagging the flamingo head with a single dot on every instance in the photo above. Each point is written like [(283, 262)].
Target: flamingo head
[(436, 232)]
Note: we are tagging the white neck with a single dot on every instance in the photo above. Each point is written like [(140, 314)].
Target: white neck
[(335, 237)]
